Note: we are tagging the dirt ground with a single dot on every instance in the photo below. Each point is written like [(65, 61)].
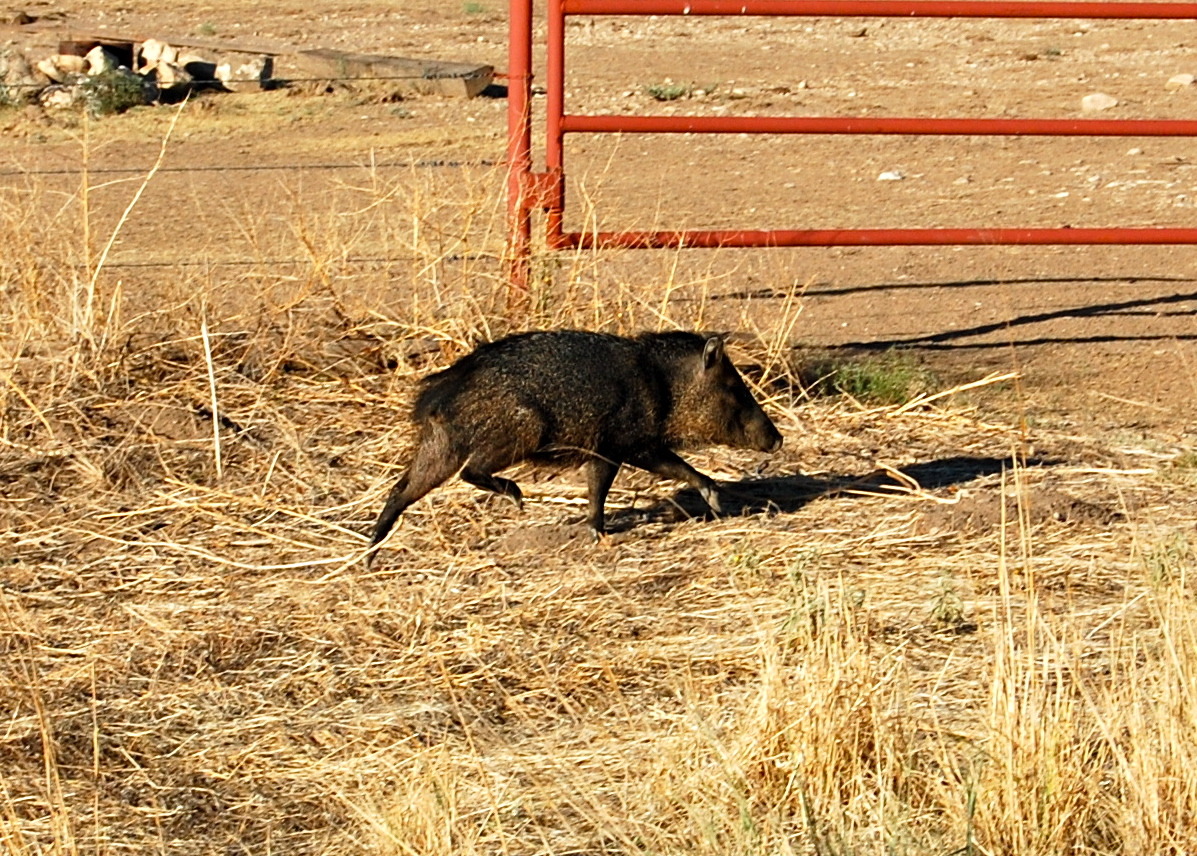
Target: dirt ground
[(901, 611), (1104, 336)]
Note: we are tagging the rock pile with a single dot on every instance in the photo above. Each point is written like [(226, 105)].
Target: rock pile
[(112, 78)]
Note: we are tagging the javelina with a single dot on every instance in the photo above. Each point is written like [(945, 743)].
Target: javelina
[(578, 397)]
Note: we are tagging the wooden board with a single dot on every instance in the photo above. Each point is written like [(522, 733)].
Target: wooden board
[(445, 78)]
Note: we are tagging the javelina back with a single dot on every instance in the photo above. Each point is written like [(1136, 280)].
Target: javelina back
[(579, 397)]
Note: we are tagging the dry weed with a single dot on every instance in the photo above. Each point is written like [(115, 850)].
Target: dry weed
[(914, 633)]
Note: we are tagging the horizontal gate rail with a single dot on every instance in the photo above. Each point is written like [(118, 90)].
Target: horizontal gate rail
[(546, 190), (879, 125), (883, 8), (739, 238)]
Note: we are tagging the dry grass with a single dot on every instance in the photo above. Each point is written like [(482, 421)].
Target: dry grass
[(919, 632)]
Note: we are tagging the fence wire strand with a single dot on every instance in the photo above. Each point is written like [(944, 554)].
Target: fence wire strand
[(421, 164), (16, 171)]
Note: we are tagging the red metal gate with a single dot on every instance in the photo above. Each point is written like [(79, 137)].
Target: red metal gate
[(528, 190)]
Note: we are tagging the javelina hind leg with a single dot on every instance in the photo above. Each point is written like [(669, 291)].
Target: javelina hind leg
[(432, 466), (665, 463), (495, 484), (600, 475)]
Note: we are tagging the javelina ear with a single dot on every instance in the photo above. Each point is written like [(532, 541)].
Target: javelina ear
[(712, 354)]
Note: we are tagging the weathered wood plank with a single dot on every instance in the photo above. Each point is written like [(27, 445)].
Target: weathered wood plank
[(423, 76)]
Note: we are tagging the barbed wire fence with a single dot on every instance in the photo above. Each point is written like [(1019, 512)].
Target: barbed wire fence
[(15, 170)]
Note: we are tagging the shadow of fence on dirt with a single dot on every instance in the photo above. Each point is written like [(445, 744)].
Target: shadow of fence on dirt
[(823, 290), (1156, 306)]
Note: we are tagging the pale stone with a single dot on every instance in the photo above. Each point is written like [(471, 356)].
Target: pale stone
[(61, 66), (100, 61), (171, 76), (59, 97), (18, 83), (1179, 81), (1098, 101), (250, 75), (151, 52)]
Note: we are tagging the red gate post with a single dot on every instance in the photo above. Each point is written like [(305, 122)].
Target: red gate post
[(553, 182), (519, 149)]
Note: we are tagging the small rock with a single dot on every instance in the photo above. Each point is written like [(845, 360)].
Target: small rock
[(100, 61), (252, 74), (57, 97), (49, 69), (18, 82), (1178, 82), (891, 175), (170, 75), (1098, 101), (151, 52), (58, 68)]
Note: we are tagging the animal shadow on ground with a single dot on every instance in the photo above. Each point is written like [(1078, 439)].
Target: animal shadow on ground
[(787, 494)]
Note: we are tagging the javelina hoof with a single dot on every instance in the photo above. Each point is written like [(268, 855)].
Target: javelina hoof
[(711, 497)]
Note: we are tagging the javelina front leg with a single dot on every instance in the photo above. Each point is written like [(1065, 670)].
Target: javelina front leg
[(495, 484), (601, 474), (665, 463)]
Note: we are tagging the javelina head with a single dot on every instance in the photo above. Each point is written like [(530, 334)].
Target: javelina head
[(714, 405)]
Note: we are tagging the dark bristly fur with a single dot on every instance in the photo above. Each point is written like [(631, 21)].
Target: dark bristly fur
[(578, 397)]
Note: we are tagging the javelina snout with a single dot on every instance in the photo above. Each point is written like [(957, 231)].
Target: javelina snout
[(737, 419), (577, 397)]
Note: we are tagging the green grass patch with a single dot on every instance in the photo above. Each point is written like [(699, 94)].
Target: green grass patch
[(892, 377), (113, 92), (667, 91), (1186, 462)]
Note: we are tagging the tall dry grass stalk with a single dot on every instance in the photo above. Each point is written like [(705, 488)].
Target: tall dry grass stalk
[(836, 743), (190, 661)]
